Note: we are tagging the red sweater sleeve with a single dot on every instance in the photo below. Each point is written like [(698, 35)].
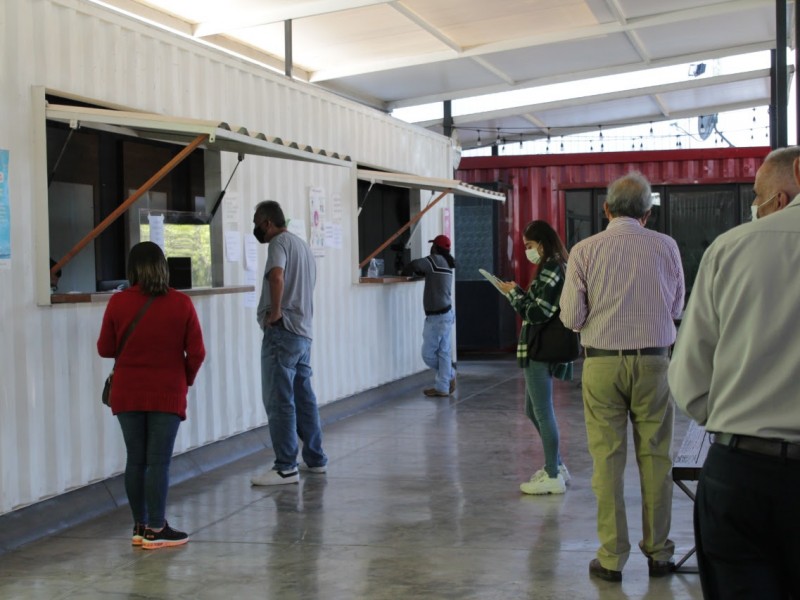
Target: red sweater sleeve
[(193, 346), (107, 341)]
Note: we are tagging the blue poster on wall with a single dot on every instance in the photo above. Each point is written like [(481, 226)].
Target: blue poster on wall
[(5, 210)]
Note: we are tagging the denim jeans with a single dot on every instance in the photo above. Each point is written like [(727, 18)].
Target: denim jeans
[(539, 409), (436, 345), (289, 399), (149, 439)]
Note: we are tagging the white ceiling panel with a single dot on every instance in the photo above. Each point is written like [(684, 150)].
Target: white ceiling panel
[(399, 53), (577, 115), (552, 61), (736, 94), (701, 35), (420, 81)]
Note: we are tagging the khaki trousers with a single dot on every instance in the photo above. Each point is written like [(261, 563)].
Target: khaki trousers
[(615, 388)]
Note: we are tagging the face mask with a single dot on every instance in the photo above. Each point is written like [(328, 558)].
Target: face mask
[(532, 254), (754, 207), (260, 235)]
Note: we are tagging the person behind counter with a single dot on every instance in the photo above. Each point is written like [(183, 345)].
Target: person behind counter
[(158, 363), (54, 277), (438, 270)]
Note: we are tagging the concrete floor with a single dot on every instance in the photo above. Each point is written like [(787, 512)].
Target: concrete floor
[(421, 501)]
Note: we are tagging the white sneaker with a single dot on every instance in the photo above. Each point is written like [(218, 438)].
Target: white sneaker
[(319, 470), (544, 485), (562, 469), (274, 477)]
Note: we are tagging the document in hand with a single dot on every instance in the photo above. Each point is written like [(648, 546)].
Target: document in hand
[(493, 280)]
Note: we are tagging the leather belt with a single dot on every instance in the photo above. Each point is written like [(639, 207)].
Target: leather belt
[(446, 309), (777, 448), (594, 352)]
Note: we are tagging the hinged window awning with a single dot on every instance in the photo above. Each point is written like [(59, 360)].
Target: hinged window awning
[(414, 182), (435, 184), (221, 136)]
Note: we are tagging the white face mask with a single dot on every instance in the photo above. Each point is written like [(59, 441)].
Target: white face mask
[(532, 254), (754, 207)]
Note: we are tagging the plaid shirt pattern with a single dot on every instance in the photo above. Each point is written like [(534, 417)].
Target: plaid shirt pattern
[(538, 304)]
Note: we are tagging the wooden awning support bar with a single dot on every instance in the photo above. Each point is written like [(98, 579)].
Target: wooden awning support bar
[(120, 210), (395, 235)]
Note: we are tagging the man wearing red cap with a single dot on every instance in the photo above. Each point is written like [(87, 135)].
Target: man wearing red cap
[(437, 269)]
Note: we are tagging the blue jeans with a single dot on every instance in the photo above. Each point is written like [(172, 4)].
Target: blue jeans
[(149, 439), (289, 399), (539, 409), (436, 345)]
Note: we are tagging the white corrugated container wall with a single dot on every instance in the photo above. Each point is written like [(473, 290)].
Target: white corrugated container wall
[(54, 433)]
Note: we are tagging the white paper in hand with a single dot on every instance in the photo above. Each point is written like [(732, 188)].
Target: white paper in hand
[(493, 280)]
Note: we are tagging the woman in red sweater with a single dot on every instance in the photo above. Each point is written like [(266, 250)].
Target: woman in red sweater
[(158, 362)]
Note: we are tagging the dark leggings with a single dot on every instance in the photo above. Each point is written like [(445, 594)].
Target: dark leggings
[(149, 439)]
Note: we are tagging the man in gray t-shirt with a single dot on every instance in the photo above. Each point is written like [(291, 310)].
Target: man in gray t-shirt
[(296, 302), (285, 312)]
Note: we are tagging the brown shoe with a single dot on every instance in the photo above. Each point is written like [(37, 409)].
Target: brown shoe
[(433, 392), (599, 571), (453, 384), (660, 568)]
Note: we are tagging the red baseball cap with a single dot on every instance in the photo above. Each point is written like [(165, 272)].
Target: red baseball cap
[(442, 241)]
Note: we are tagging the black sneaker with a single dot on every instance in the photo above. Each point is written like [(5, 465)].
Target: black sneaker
[(161, 539)]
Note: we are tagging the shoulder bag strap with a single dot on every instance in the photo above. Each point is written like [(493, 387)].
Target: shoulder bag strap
[(132, 326)]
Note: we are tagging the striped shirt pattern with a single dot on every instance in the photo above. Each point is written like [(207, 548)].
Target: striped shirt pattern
[(624, 287), (538, 304)]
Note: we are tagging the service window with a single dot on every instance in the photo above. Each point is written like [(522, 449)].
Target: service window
[(383, 210), (91, 172)]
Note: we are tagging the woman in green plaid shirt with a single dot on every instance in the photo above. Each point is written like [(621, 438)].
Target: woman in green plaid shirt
[(538, 304)]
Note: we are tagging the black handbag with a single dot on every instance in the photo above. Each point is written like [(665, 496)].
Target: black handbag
[(106, 396), (552, 342)]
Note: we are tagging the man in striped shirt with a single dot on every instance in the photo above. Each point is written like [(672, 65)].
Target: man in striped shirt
[(623, 289)]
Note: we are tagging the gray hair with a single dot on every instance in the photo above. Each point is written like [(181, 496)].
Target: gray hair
[(629, 196), (272, 211), (781, 163)]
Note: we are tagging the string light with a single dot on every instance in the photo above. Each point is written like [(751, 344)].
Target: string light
[(626, 137)]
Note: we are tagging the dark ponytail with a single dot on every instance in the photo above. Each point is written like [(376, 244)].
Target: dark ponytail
[(446, 255)]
